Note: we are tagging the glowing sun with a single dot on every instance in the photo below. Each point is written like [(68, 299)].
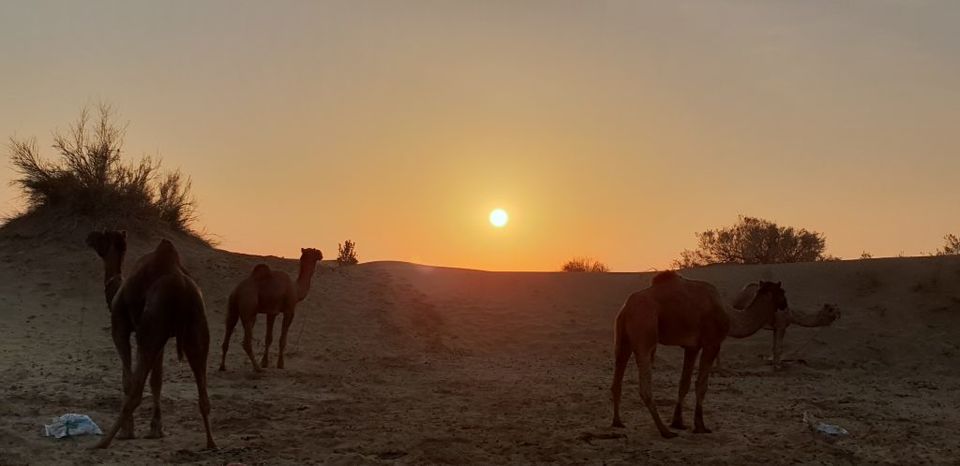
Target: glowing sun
[(499, 218)]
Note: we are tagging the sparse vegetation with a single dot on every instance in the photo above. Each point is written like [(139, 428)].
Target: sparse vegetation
[(584, 264), (89, 176), (348, 253), (755, 241), (951, 246), (866, 255)]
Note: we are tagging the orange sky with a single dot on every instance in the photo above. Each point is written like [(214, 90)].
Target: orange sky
[(609, 129)]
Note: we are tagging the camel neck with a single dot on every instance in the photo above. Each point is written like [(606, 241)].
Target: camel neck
[(303, 278), (112, 277), (750, 320), (112, 270)]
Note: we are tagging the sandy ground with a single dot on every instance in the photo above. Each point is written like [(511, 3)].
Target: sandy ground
[(397, 363)]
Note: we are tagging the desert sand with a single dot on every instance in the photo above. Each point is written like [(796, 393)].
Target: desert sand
[(398, 363)]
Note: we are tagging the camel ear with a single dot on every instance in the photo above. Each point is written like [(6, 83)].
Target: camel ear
[(779, 284), (302, 250)]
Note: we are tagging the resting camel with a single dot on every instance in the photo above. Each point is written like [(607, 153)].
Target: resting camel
[(827, 314), (676, 311), (158, 301), (269, 292)]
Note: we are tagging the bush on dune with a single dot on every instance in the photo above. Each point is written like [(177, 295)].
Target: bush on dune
[(90, 178), (755, 241), (584, 264), (951, 246)]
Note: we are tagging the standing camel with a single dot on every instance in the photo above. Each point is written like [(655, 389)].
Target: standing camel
[(826, 315), (689, 313), (269, 292), (158, 301)]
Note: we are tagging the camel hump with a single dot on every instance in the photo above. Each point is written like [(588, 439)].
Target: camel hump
[(260, 272), (665, 277), (166, 255)]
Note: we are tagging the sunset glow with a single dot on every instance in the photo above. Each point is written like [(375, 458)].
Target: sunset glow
[(640, 123)]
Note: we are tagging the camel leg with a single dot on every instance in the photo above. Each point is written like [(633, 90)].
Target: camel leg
[(267, 341), (248, 338), (232, 317), (196, 346), (287, 320), (703, 376), (120, 330), (689, 358), (622, 357), (145, 362), (156, 384), (778, 335), (646, 389)]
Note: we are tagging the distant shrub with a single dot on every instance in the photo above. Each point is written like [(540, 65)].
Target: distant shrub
[(866, 255), (951, 246), (584, 264), (90, 178), (755, 241), (348, 253)]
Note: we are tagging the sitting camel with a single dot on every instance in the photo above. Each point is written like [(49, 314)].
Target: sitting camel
[(158, 301), (269, 292), (827, 314), (679, 312)]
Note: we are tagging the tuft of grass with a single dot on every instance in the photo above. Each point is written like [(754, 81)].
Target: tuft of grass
[(90, 177)]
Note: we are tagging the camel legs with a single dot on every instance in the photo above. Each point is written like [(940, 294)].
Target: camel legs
[(287, 320), (248, 322), (703, 376), (196, 346), (267, 341), (120, 330), (778, 334), (622, 357), (233, 316), (689, 358), (644, 363), (156, 384), (145, 362)]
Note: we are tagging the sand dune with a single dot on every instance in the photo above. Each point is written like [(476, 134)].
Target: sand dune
[(393, 362)]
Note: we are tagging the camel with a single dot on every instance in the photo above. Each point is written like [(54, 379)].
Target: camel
[(825, 316), (676, 311), (269, 292), (158, 301)]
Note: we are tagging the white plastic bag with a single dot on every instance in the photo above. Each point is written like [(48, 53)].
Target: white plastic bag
[(70, 425)]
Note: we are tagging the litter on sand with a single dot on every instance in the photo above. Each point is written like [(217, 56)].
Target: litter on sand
[(829, 431), (70, 425)]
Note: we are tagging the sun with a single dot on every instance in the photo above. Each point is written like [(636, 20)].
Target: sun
[(499, 218)]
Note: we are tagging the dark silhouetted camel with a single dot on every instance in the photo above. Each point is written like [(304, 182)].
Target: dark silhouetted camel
[(826, 315), (675, 311), (158, 301), (269, 292)]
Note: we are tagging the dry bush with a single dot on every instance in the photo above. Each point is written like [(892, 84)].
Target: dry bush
[(348, 253), (584, 264), (755, 241), (89, 177)]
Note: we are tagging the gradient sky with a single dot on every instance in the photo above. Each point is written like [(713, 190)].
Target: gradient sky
[(609, 129)]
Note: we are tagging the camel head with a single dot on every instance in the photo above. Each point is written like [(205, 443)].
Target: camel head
[(310, 255), (775, 291), (109, 244)]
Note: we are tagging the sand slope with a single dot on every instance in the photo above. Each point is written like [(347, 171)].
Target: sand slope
[(393, 362)]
